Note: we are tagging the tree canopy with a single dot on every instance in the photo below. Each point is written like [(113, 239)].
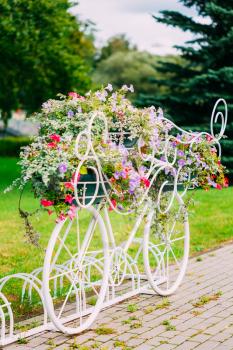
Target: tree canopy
[(206, 72), (44, 50), (117, 43)]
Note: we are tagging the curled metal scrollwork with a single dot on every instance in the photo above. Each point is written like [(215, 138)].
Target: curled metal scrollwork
[(159, 159)]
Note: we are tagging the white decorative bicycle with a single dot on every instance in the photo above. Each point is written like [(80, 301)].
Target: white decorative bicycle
[(86, 269)]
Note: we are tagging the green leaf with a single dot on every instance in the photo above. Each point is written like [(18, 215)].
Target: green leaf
[(83, 170)]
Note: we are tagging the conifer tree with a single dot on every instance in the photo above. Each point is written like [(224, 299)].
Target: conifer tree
[(206, 72)]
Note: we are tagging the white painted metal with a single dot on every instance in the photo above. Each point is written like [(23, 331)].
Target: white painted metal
[(119, 276), (166, 263), (79, 274)]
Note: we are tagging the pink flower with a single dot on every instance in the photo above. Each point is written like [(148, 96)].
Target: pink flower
[(226, 182), (61, 217), (68, 198), (46, 203), (209, 138), (219, 187), (146, 182), (52, 145), (72, 211), (113, 204), (73, 94), (69, 186), (55, 137)]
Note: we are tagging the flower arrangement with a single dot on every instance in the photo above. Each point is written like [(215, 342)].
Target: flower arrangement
[(49, 163)]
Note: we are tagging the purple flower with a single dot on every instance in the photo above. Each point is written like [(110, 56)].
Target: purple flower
[(180, 153), (114, 107), (123, 174), (134, 182), (152, 115), (70, 113), (101, 95), (116, 175), (181, 162), (163, 159), (62, 168), (170, 171)]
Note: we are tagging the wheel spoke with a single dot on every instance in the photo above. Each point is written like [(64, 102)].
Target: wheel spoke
[(177, 262), (87, 240), (159, 264), (66, 248), (61, 245), (167, 263), (177, 239), (66, 298)]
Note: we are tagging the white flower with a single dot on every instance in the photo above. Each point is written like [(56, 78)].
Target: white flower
[(131, 88), (128, 88), (109, 87)]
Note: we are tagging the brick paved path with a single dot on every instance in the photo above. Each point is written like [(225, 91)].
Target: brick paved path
[(199, 316)]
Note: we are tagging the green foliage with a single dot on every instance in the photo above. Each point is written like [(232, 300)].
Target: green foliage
[(103, 330), (10, 146), (44, 50), (206, 72), (132, 307), (205, 299), (22, 341), (169, 326), (132, 67), (117, 43)]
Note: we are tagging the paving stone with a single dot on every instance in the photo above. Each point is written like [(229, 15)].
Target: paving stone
[(188, 345), (207, 345), (166, 347), (212, 329), (61, 347), (222, 347), (221, 336), (170, 334), (228, 343), (124, 336), (135, 342), (36, 341), (144, 347), (178, 339), (201, 338), (18, 347), (156, 331)]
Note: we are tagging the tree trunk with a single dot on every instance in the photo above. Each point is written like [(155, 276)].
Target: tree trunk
[(5, 116)]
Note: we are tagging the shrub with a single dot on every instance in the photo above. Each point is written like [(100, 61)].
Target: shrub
[(10, 146)]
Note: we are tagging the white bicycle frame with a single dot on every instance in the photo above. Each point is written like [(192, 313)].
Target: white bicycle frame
[(140, 283)]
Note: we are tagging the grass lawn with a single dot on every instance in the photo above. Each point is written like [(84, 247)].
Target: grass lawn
[(211, 222)]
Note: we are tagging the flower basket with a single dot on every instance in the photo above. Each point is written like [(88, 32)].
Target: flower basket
[(123, 137), (89, 190), (98, 134)]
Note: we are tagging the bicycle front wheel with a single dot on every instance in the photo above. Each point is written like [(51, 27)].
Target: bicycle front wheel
[(76, 272)]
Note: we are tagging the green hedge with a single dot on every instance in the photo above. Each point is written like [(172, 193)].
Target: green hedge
[(10, 146)]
